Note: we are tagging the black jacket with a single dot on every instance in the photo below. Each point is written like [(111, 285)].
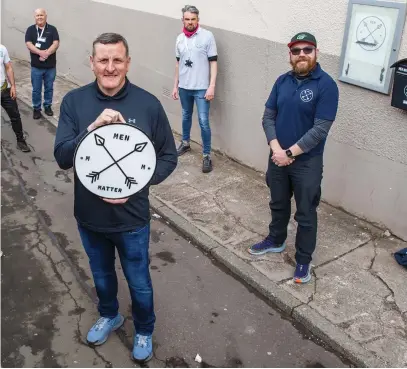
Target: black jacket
[(79, 109)]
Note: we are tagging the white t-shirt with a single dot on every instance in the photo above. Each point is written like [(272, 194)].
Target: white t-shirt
[(193, 54), (4, 59)]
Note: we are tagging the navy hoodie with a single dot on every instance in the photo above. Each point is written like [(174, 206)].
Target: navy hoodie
[(81, 107)]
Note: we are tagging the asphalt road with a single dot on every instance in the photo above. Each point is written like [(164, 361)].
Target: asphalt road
[(48, 299)]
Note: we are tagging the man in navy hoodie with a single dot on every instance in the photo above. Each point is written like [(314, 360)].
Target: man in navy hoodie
[(106, 224), (298, 115)]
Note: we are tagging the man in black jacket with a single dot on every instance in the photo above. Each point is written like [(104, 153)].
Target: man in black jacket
[(124, 223)]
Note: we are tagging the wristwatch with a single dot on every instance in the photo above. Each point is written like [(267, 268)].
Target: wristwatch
[(289, 153)]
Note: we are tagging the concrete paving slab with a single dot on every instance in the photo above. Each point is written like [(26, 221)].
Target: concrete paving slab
[(343, 294), (395, 276), (391, 348), (364, 328), (361, 257), (206, 212), (337, 235), (248, 203)]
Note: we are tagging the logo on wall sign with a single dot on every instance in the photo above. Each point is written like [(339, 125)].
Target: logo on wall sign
[(306, 95), (115, 161), (405, 91)]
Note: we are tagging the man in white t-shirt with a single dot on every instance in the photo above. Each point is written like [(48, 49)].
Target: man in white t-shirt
[(195, 79), (9, 98)]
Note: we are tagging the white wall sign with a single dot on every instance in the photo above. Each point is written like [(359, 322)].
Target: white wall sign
[(115, 161), (371, 43)]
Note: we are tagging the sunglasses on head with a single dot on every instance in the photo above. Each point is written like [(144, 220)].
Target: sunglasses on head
[(307, 50)]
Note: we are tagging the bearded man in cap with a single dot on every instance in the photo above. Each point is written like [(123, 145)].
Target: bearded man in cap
[(298, 116)]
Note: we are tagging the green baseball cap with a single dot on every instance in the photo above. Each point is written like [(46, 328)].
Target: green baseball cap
[(303, 37)]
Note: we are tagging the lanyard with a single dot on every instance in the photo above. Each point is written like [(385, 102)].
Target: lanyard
[(186, 45), (38, 34)]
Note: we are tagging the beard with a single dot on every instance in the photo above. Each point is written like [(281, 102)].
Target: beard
[(303, 69)]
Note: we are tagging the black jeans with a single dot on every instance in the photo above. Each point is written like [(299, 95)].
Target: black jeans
[(11, 108), (303, 179)]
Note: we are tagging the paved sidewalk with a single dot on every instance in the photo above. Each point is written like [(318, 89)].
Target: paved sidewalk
[(357, 300)]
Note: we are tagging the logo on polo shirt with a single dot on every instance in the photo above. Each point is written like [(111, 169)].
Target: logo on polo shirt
[(306, 95), (405, 91)]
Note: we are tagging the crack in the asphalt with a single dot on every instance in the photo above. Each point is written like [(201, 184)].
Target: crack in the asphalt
[(79, 339), (108, 364), (85, 287), (78, 334), (160, 360)]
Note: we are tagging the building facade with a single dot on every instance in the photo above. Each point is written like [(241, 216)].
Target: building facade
[(365, 167)]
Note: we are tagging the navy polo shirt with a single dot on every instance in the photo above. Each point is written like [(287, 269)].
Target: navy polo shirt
[(299, 104), (50, 35)]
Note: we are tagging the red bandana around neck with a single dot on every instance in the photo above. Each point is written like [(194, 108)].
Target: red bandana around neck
[(190, 33)]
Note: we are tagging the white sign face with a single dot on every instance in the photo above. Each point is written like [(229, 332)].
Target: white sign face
[(369, 45), (115, 161), (371, 41)]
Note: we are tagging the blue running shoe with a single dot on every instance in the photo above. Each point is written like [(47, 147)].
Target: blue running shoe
[(266, 246), (99, 333), (302, 273), (143, 348)]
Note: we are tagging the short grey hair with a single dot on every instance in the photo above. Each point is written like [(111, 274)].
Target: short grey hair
[(110, 38), (190, 8)]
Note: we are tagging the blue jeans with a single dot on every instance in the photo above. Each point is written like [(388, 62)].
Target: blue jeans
[(132, 248), (188, 97), (37, 76)]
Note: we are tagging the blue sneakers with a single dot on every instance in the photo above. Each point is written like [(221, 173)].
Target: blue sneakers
[(99, 333), (266, 246), (302, 273), (143, 348)]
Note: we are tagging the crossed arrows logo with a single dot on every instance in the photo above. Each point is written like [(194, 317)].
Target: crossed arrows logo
[(100, 141)]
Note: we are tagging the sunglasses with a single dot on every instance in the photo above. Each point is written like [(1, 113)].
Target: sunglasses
[(307, 50)]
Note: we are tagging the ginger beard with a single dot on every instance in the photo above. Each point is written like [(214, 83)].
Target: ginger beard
[(303, 64)]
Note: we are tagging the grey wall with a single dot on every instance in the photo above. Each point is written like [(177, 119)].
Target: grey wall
[(366, 157)]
